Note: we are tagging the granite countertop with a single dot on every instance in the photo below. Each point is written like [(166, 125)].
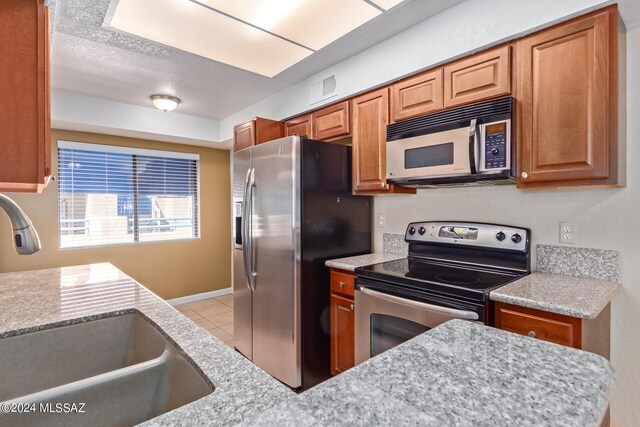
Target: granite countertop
[(351, 263), (572, 296), (43, 299), (459, 373)]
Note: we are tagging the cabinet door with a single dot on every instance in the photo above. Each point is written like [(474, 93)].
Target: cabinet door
[(482, 76), (564, 83), (25, 121), (332, 122), (299, 126), (342, 339), (416, 96), (546, 326), (370, 119), (267, 130), (244, 135)]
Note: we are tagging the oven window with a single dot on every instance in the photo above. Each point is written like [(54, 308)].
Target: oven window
[(389, 331), (433, 155)]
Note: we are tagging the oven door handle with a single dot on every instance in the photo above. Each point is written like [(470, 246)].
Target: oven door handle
[(459, 314)]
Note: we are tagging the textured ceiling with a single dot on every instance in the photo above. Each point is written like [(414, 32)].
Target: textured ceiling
[(92, 60)]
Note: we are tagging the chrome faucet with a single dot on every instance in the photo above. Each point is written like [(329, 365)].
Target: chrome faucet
[(25, 237)]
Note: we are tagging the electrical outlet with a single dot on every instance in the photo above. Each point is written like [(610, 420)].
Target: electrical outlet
[(382, 220), (568, 232)]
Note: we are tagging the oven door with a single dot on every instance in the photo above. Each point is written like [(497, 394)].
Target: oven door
[(383, 320), (436, 155)]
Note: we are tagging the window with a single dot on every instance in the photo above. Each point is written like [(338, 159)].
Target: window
[(118, 195)]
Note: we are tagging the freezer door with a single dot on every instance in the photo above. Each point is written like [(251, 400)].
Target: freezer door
[(242, 295), (275, 235)]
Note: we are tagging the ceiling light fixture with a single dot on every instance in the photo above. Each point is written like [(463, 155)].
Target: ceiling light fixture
[(165, 102)]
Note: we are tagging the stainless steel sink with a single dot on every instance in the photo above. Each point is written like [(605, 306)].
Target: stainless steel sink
[(121, 368)]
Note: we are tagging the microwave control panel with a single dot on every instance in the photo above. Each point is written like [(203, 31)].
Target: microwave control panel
[(497, 145)]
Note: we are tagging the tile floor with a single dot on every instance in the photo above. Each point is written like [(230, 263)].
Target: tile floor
[(213, 314)]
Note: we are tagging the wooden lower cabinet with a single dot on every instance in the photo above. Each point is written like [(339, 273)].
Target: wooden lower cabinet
[(543, 325), (568, 97), (342, 321)]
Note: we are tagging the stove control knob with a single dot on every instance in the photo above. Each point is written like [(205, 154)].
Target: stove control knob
[(412, 231), (500, 236), (516, 238), (422, 230)]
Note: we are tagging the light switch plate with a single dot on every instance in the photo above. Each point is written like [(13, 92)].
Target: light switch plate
[(382, 220)]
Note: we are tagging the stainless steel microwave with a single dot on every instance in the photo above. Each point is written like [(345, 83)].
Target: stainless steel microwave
[(469, 145)]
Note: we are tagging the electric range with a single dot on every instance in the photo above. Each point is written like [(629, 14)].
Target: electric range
[(449, 273)]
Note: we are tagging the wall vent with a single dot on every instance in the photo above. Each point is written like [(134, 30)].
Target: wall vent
[(323, 88)]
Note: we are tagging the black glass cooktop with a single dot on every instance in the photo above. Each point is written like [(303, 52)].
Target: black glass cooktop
[(443, 278)]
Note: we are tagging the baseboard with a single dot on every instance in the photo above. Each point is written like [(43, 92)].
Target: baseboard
[(196, 297)]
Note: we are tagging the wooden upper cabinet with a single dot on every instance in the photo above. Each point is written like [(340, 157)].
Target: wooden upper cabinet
[(478, 77), (567, 87), (256, 131), (416, 96), (332, 122), (370, 119), (25, 123), (299, 126)]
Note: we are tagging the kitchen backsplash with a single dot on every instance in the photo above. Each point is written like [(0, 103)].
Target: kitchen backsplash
[(581, 262), (394, 244)]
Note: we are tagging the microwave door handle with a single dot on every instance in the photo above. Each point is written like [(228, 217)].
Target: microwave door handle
[(473, 146), (458, 314)]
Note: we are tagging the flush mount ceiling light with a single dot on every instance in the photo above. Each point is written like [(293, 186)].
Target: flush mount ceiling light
[(262, 36), (165, 102)]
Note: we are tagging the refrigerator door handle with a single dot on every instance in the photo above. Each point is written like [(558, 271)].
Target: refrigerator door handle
[(250, 250), (245, 234)]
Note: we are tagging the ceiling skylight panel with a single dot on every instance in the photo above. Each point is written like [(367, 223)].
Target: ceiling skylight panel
[(311, 23), (188, 26)]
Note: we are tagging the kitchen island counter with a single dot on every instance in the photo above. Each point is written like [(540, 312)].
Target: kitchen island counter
[(43, 299), (459, 373)]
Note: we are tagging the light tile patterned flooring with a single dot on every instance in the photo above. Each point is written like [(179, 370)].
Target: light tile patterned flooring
[(213, 314)]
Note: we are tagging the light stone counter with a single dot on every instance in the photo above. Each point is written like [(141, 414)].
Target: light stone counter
[(459, 374), (351, 263), (43, 299), (581, 297)]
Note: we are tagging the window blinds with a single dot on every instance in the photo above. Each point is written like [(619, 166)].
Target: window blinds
[(119, 195)]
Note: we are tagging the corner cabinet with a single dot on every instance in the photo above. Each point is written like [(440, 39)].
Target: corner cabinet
[(25, 120), (568, 96), (342, 320), (370, 120), (256, 131)]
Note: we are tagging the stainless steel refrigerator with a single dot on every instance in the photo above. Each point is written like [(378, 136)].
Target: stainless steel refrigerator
[(293, 210)]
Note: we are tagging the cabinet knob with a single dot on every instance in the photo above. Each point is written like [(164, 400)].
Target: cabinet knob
[(524, 175), (351, 307), (341, 284), (532, 334)]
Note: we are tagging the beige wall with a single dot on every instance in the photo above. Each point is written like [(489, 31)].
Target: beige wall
[(170, 269)]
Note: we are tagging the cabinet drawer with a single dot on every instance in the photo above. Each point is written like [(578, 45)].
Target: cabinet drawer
[(332, 122), (482, 76), (546, 326), (342, 282)]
